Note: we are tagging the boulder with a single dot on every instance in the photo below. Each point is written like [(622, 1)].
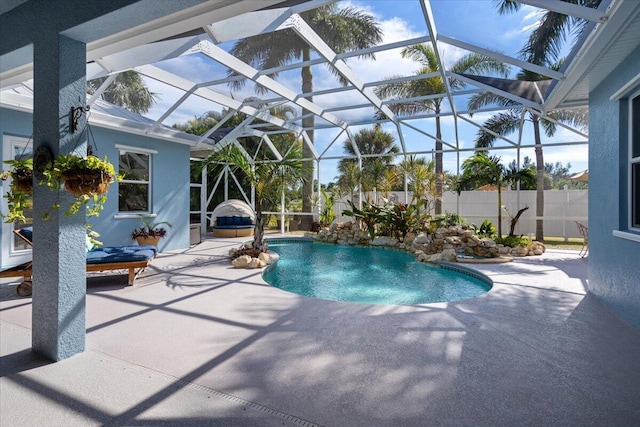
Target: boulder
[(266, 258), (384, 241), (422, 239), (453, 240), (487, 243), (448, 255), (255, 263), (241, 262)]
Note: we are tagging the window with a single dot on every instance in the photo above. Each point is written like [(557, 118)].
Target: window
[(134, 191), (634, 161), (195, 192), (13, 249)]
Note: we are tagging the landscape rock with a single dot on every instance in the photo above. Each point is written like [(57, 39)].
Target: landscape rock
[(241, 262)]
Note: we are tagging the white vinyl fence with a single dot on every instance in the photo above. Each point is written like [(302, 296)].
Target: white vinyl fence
[(561, 211)]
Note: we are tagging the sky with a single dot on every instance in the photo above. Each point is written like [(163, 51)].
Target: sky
[(471, 21)]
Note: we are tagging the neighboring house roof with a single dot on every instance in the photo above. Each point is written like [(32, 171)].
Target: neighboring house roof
[(490, 187)]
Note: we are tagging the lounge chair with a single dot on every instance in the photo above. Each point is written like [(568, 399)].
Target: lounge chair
[(133, 258)]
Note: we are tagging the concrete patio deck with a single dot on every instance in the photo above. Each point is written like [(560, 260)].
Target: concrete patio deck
[(196, 342)]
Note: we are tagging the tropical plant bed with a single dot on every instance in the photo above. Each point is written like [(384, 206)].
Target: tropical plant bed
[(443, 244)]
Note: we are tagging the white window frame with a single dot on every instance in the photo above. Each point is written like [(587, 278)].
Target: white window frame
[(10, 255), (631, 161), (123, 149)]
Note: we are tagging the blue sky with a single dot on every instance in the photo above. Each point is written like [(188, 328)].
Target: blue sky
[(471, 21)]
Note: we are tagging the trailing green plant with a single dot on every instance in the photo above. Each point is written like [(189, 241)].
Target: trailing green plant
[(87, 178), (20, 190), (514, 241), (150, 228), (486, 229)]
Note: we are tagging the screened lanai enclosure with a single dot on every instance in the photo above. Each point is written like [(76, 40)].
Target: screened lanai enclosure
[(306, 79)]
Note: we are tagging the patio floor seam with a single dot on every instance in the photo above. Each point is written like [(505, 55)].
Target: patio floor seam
[(230, 397)]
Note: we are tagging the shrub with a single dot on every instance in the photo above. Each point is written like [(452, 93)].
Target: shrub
[(514, 241), (486, 229), (451, 219)]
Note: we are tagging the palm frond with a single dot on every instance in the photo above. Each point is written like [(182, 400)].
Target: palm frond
[(507, 6), (423, 54), (503, 124), (485, 99), (545, 42), (475, 63)]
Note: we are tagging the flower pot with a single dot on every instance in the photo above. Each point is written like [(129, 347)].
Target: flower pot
[(23, 182), (151, 240), (79, 182)]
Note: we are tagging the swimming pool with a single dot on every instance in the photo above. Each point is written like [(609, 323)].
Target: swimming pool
[(366, 275)]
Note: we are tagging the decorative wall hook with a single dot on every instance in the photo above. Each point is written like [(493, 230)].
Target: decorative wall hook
[(76, 115)]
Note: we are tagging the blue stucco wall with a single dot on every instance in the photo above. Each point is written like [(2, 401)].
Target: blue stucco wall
[(614, 263), (169, 182)]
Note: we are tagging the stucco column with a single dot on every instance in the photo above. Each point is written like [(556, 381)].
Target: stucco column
[(59, 278)]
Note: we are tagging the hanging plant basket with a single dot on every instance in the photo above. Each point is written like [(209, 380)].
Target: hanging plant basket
[(86, 178), (20, 191), (22, 180), (21, 173), (86, 181)]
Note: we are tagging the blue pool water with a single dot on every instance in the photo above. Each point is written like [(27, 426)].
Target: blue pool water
[(365, 275)]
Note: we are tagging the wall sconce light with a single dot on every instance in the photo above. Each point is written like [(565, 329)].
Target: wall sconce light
[(76, 115)]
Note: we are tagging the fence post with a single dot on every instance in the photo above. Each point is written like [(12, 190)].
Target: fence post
[(564, 212)]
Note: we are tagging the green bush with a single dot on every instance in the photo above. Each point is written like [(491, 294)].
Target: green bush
[(514, 241), (486, 229), (451, 219)]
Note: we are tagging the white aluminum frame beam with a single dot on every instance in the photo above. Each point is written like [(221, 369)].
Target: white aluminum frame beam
[(565, 8), (501, 57), (297, 24), (219, 55), (487, 130), (178, 82), (523, 101)]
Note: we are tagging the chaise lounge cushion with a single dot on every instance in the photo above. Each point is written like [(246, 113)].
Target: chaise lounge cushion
[(109, 254)]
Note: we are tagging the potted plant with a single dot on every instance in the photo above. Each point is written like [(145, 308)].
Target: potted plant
[(20, 191), (87, 178), (151, 232)]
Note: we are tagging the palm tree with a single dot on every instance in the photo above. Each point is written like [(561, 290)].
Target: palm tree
[(422, 178), (545, 42), (127, 90), (488, 170), (269, 179), (508, 121), (426, 57), (350, 178), (373, 141), (342, 29)]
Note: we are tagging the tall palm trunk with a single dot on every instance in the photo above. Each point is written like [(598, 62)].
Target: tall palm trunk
[(539, 180), (307, 122), (258, 236), (499, 209), (439, 171)]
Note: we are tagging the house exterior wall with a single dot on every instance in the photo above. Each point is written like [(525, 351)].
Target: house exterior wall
[(169, 182), (614, 267)]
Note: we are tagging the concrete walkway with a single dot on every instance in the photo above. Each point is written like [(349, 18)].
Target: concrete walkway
[(196, 342)]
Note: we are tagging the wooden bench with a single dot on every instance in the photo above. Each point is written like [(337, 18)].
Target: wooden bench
[(134, 259)]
